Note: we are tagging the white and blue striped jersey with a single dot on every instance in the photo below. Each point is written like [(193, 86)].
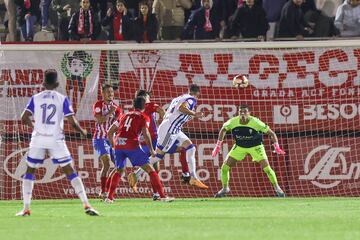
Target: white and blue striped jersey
[(176, 119), (49, 109)]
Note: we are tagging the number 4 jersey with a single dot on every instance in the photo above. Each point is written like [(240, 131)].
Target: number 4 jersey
[(129, 129), (49, 109)]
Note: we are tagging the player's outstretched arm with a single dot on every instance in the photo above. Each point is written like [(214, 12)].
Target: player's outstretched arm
[(220, 140), (275, 141), (75, 124), (26, 120), (112, 130), (147, 138), (185, 109)]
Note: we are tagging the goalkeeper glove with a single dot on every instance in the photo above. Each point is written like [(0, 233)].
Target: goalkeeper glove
[(278, 150), (216, 149)]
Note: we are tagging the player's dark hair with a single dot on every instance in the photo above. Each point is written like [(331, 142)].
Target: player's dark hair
[(244, 106), (194, 88), (139, 103), (51, 79), (142, 93), (105, 86)]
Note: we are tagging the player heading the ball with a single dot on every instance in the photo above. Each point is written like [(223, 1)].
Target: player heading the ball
[(171, 136), (127, 130), (247, 132), (150, 109), (48, 109)]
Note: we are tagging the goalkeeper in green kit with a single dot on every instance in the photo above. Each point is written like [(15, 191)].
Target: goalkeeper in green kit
[(247, 132)]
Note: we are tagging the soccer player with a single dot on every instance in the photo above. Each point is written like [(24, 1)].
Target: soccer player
[(180, 111), (48, 109), (128, 129), (247, 132), (150, 109), (105, 112)]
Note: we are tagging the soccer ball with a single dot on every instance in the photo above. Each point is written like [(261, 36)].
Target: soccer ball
[(240, 81)]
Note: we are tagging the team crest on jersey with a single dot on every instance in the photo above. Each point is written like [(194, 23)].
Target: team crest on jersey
[(76, 67)]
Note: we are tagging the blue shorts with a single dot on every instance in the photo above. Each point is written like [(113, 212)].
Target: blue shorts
[(136, 156), (102, 147)]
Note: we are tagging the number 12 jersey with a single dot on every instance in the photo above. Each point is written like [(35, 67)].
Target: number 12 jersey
[(49, 109)]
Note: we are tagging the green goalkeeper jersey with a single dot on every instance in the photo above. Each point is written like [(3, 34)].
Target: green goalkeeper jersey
[(246, 135)]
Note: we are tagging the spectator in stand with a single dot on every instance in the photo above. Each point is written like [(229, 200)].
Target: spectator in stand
[(145, 25), (203, 23), (195, 4), (273, 13), (230, 7), (132, 7), (119, 21), (347, 18), (171, 16), (249, 21), (292, 22), (11, 10), (44, 6), (321, 24), (84, 25), (99, 6), (65, 9), (28, 14)]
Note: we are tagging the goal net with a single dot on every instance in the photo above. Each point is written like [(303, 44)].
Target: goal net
[(307, 92)]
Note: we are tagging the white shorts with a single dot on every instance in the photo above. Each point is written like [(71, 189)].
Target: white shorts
[(58, 152), (166, 141)]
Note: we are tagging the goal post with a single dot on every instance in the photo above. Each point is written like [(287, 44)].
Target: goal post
[(307, 92)]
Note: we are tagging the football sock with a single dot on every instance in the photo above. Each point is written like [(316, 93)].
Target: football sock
[(271, 175), (115, 180), (78, 186), (190, 158), (27, 188), (184, 165), (103, 181), (225, 175), (156, 184), (108, 181)]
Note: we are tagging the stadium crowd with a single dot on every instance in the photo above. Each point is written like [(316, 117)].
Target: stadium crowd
[(151, 20)]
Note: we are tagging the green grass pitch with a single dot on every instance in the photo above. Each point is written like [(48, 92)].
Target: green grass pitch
[(205, 219)]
